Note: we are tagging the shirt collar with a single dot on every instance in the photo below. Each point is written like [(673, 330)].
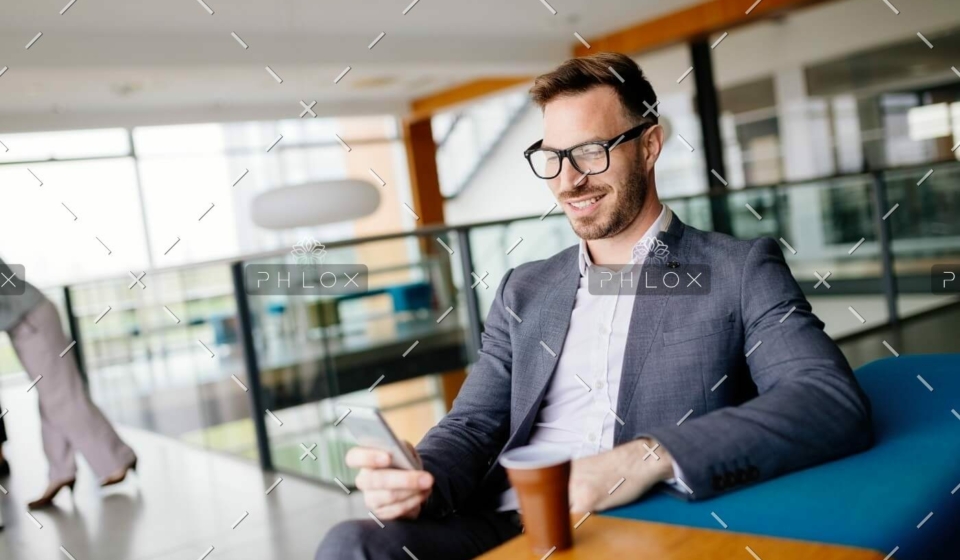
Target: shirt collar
[(660, 224)]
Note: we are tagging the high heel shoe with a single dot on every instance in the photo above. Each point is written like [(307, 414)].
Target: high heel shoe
[(120, 475), (46, 500)]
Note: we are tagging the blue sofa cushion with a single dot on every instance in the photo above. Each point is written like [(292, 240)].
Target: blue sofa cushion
[(875, 499)]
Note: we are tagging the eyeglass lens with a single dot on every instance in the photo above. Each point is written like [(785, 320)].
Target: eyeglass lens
[(589, 158)]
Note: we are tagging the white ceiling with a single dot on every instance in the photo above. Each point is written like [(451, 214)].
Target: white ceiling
[(127, 62)]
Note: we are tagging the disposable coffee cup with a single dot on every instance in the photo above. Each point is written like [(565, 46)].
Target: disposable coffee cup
[(541, 476)]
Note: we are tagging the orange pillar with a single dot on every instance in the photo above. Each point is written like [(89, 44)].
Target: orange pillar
[(428, 204), (422, 163)]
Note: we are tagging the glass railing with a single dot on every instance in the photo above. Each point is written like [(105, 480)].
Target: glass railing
[(192, 354)]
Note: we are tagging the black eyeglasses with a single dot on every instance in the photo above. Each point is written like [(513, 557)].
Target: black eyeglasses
[(589, 158)]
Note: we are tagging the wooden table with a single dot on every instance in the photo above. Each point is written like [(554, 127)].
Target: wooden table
[(603, 538)]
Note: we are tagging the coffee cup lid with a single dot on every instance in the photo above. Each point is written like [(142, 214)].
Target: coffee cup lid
[(533, 457)]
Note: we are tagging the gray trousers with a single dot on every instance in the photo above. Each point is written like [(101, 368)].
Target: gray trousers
[(457, 537), (69, 421)]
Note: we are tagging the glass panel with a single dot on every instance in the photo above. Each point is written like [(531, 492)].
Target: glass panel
[(925, 231), (830, 225), (161, 357), (694, 211), (745, 206), (317, 352)]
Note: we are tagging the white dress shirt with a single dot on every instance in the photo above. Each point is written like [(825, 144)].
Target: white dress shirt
[(578, 410)]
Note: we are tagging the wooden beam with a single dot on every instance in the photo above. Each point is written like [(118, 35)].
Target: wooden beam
[(689, 23), (468, 91), (428, 204), (422, 165)]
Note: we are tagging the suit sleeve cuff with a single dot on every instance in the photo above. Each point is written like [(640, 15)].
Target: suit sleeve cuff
[(676, 482)]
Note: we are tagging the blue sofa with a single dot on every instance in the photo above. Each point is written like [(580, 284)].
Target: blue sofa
[(875, 499)]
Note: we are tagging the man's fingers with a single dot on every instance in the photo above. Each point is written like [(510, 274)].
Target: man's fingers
[(367, 457), (393, 479), (401, 508), (376, 499)]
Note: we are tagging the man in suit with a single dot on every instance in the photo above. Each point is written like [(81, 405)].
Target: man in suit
[(694, 393)]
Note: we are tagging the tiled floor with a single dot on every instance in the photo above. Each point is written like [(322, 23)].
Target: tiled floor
[(182, 501)]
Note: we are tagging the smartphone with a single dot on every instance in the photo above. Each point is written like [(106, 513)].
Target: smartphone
[(368, 427)]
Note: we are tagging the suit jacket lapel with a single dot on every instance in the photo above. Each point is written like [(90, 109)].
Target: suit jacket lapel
[(644, 325), (556, 308)]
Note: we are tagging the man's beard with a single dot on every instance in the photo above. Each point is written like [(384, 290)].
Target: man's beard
[(625, 210)]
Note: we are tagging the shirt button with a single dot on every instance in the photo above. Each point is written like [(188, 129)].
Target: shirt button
[(598, 385), (604, 330), (592, 438)]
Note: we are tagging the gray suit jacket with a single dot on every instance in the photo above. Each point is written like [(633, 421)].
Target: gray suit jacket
[(792, 403)]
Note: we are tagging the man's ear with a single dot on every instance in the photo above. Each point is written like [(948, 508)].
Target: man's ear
[(652, 144)]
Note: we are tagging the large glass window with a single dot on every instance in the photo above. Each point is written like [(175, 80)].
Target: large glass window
[(68, 221), (186, 168), (794, 109), (78, 213)]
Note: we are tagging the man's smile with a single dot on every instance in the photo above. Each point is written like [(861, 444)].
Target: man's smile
[(582, 206)]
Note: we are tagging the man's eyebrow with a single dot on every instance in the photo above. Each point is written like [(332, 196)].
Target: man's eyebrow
[(593, 138)]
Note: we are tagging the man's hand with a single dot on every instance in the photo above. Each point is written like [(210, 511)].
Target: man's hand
[(389, 493), (592, 478)]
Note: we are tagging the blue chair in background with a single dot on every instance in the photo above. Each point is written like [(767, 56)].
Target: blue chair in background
[(881, 499), (411, 297), (225, 328)]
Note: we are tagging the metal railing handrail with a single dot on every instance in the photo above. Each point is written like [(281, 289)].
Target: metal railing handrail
[(439, 229)]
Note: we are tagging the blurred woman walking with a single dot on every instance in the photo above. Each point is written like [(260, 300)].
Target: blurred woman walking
[(69, 420)]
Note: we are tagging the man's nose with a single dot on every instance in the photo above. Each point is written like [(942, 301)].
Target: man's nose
[(570, 178)]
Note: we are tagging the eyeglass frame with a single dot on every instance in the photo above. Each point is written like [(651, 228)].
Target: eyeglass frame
[(629, 135)]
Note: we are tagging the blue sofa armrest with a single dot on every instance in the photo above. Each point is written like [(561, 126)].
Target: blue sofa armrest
[(875, 499)]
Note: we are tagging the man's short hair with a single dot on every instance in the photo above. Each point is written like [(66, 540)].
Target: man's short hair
[(579, 75)]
